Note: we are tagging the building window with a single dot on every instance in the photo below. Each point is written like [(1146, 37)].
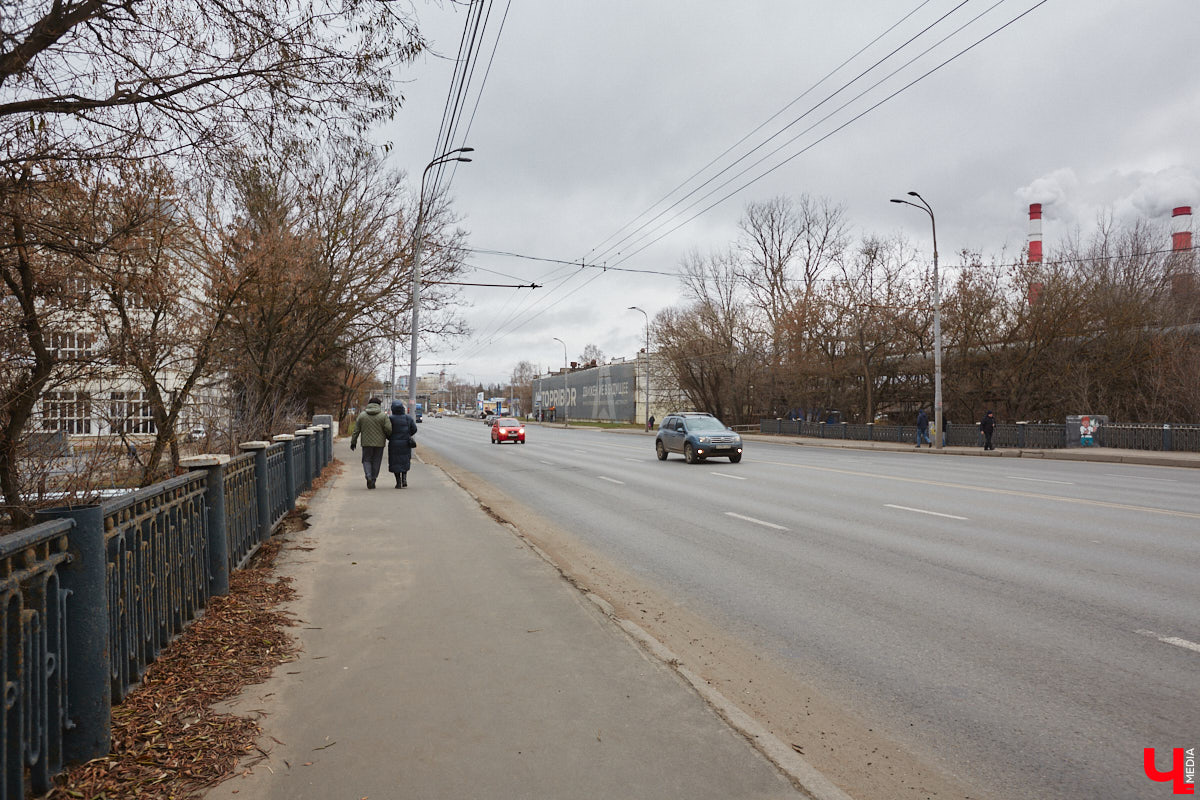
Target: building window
[(69, 412), (130, 413), (71, 346)]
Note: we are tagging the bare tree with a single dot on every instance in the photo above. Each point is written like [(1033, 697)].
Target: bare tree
[(120, 78)]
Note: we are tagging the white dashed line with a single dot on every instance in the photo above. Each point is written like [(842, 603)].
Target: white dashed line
[(1039, 480), (756, 521), (547, 463), (1140, 477), (635, 460), (1175, 640), (923, 511), (611, 480), (734, 477)]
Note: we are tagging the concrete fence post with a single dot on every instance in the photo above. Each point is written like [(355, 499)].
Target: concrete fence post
[(262, 486), (218, 539), (870, 431), (84, 578), (1167, 439), (1021, 433)]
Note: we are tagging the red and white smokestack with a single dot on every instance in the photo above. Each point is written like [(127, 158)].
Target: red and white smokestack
[(1035, 233), (1181, 228)]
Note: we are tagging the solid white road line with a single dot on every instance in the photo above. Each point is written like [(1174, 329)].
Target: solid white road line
[(1175, 640), (1039, 480), (756, 521), (611, 480), (923, 511), (723, 475)]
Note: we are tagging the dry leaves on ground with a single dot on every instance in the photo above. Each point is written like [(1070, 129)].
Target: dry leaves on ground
[(168, 742)]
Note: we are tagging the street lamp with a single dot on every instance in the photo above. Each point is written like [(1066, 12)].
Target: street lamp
[(566, 379), (453, 155), (937, 323), (647, 316)]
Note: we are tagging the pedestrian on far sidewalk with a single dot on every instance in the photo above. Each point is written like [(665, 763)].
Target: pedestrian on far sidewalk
[(923, 429), (988, 425), (401, 444), (374, 427)]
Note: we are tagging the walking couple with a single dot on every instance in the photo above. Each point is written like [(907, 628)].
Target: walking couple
[(379, 430)]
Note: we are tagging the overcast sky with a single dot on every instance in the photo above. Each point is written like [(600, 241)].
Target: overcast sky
[(593, 112)]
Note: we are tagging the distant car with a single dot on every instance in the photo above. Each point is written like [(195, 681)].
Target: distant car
[(507, 429), (697, 436), (418, 416)]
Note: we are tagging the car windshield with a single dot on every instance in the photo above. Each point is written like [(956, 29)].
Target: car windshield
[(705, 424), (507, 423)]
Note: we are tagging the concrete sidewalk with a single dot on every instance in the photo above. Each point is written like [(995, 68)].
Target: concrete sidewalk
[(444, 658)]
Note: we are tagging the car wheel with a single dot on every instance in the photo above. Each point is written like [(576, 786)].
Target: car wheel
[(660, 450), (689, 453), (735, 459)]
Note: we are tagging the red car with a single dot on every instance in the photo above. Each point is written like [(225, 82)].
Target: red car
[(506, 429)]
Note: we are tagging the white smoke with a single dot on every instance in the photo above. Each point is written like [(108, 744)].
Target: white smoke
[(1160, 192), (1123, 196), (1053, 191)]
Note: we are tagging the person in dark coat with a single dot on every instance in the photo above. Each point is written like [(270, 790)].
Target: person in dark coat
[(988, 425), (400, 443), (923, 429)]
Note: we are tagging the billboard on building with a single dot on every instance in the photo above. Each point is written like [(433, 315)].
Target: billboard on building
[(607, 393)]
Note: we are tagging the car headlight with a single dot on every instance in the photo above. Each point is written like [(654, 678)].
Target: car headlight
[(702, 439)]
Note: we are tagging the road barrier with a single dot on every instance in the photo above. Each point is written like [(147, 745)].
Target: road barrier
[(1166, 437), (93, 593)]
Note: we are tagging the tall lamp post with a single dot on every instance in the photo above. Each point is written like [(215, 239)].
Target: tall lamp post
[(453, 155), (566, 386), (647, 316), (937, 322), (564, 344)]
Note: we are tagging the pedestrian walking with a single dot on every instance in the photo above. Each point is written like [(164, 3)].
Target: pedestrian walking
[(650, 423), (373, 427), (923, 429), (988, 425), (401, 444)]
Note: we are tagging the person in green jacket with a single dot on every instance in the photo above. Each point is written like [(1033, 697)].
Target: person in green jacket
[(374, 427)]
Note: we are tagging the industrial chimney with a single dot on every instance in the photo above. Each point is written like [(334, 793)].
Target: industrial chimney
[(1035, 233), (1181, 228), (1035, 249)]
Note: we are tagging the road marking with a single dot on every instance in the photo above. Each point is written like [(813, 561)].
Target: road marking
[(1175, 640), (988, 490), (723, 475), (756, 521), (547, 463), (585, 452), (923, 511), (635, 460), (1039, 480), (1139, 477), (611, 480)]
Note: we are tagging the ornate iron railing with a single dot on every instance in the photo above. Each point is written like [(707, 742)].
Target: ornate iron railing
[(92, 594)]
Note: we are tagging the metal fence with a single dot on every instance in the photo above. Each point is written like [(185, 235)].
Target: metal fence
[(1019, 434), (92, 594)]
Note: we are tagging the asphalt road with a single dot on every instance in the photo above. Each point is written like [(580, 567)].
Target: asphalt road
[(1029, 624)]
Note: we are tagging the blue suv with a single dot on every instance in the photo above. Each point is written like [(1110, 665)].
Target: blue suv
[(697, 436)]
